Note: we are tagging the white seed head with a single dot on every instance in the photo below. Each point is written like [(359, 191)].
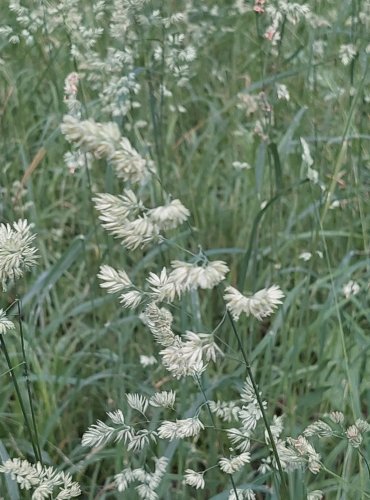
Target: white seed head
[(146, 361), (164, 399), (260, 305), (188, 427), (44, 481), (16, 253), (351, 288), (234, 463), (189, 276), (354, 436), (194, 479), (137, 402), (169, 216), (112, 280), (5, 323)]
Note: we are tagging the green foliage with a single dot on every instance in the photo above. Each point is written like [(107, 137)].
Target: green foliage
[(83, 350)]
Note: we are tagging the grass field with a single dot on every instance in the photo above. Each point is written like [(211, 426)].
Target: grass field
[(255, 115)]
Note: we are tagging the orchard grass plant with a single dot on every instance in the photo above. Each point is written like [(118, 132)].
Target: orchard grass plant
[(184, 249)]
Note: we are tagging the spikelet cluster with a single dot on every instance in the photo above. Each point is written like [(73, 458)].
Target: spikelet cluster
[(42, 481), (17, 255)]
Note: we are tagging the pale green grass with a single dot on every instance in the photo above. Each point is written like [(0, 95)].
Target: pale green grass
[(83, 349)]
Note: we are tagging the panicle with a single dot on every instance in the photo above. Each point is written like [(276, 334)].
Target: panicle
[(194, 479), (140, 440), (181, 361), (149, 481), (240, 494), (163, 399), (318, 428), (234, 463), (260, 305), (354, 436), (129, 164), (282, 92), (16, 253), (98, 138), (336, 416), (306, 154), (162, 287), (104, 140), (169, 216), (117, 214), (113, 281), (145, 492), (137, 402), (306, 450), (70, 94), (240, 439), (201, 345), (45, 481), (146, 361), (188, 276), (276, 428), (250, 413), (351, 288), (315, 495), (225, 410), (188, 427), (347, 52), (159, 322), (131, 299), (5, 323), (185, 358), (100, 434), (114, 210), (138, 233)]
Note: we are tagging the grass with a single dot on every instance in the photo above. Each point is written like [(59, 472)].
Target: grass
[(83, 349)]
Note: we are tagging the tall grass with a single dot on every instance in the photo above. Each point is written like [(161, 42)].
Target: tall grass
[(82, 348)]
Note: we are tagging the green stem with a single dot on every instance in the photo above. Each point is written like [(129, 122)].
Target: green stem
[(18, 392), (260, 404), (366, 462), (28, 385), (214, 427), (155, 125)]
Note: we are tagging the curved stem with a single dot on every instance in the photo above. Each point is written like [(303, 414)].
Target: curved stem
[(260, 404), (28, 385), (214, 426), (18, 392)]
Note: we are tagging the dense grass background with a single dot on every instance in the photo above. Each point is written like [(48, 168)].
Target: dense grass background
[(83, 349)]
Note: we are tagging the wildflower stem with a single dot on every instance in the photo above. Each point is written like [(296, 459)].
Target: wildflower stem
[(205, 399), (28, 385), (156, 129), (87, 172), (366, 462), (260, 404), (234, 487), (214, 427), (18, 392)]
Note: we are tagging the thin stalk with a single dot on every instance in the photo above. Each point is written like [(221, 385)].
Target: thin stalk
[(89, 203), (354, 407), (28, 385), (155, 125), (18, 392), (214, 426), (260, 404), (87, 172), (343, 146), (366, 462)]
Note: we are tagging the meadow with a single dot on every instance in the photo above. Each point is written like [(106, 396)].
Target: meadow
[(184, 249)]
